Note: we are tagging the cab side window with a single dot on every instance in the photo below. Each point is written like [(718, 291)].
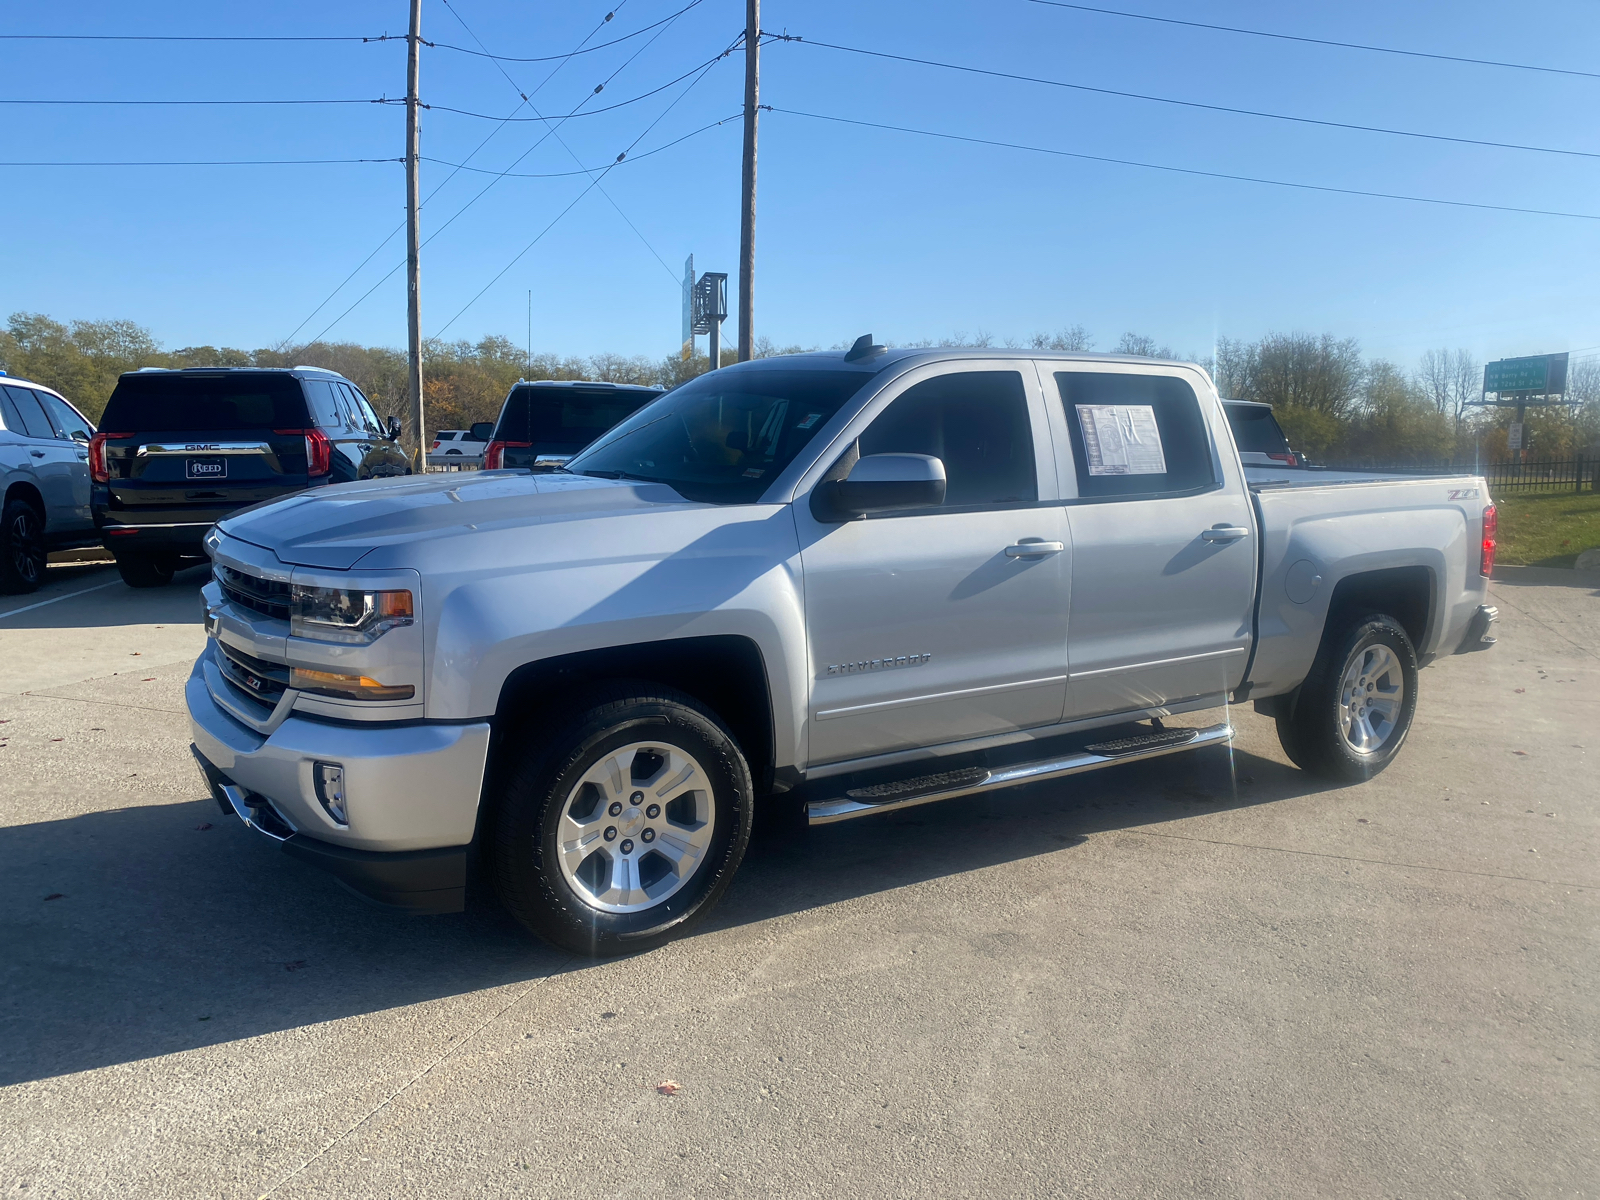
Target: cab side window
[(369, 419), (68, 423), (31, 417), (976, 422), (324, 408), (1135, 436)]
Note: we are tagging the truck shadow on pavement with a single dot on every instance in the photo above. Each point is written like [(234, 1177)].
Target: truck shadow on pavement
[(161, 928), (92, 595)]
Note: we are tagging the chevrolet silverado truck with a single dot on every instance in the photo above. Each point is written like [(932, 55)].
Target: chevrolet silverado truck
[(834, 584)]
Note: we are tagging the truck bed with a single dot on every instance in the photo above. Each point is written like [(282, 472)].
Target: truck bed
[(1319, 527)]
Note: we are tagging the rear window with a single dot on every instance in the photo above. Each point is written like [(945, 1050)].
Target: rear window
[(214, 403), (1135, 436), (1256, 430), (565, 420)]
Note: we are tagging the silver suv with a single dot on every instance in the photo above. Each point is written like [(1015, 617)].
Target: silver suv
[(44, 470)]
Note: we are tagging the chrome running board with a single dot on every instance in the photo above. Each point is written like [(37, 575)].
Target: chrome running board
[(860, 802)]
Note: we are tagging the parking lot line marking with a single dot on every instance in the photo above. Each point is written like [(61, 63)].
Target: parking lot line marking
[(17, 612)]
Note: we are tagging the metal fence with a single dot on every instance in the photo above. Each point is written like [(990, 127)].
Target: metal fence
[(1580, 473)]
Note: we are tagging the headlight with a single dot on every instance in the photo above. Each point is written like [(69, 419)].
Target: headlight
[(341, 615)]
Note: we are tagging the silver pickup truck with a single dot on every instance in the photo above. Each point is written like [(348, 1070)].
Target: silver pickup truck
[(833, 584)]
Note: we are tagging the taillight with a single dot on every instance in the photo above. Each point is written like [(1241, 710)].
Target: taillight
[(319, 450), (319, 453), (494, 456), (1491, 522), (98, 470)]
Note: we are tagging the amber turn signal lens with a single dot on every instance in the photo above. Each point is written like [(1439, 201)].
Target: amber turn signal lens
[(347, 687)]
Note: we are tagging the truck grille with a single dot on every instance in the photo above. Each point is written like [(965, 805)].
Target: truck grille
[(266, 596), (264, 680)]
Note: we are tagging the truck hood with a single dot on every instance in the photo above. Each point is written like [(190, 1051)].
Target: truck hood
[(336, 527)]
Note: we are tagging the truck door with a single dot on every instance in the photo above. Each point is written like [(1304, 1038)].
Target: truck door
[(1163, 542), (922, 629)]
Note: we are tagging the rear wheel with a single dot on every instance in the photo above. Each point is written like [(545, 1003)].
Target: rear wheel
[(1355, 707), (22, 553), (623, 825), (146, 570)]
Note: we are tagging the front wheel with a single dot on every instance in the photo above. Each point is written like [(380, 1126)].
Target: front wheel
[(624, 824), (1355, 707)]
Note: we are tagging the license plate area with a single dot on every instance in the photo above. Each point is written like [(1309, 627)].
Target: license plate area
[(205, 468)]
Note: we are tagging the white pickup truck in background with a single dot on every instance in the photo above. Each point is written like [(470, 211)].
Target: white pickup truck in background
[(854, 581)]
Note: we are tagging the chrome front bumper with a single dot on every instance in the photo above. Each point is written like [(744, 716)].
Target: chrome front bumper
[(411, 786)]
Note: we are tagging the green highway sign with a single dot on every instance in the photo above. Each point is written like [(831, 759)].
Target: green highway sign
[(1536, 375)]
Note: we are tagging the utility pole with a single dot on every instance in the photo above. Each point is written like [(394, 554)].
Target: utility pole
[(419, 434), (747, 215)]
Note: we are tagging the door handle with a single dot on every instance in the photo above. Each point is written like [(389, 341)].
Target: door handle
[(83, 456), (1223, 533), (37, 453), (1034, 549)]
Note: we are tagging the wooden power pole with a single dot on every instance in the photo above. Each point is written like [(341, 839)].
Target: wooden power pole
[(747, 214), (419, 434)]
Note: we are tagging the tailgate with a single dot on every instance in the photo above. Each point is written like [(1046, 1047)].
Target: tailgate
[(208, 469)]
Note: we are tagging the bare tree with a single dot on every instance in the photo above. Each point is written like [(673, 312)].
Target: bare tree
[(1074, 338), (1143, 346), (1452, 380)]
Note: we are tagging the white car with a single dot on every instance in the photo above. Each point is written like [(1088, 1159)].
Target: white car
[(460, 447)]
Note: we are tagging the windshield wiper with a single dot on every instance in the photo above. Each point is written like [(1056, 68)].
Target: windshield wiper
[(616, 475)]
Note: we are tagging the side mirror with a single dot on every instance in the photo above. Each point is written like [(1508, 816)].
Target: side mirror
[(393, 433), (80, 437), (481, 431), (881, 483)]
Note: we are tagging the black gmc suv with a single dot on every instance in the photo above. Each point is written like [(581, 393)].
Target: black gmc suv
[(179, 450)]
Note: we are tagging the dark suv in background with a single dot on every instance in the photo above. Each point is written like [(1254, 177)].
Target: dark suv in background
[(542, 424), (179, 450)]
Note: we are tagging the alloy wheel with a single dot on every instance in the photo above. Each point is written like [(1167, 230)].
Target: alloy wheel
[(635, 827), (1371, 698)]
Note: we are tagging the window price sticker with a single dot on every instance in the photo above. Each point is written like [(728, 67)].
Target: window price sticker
[(1122, 439)]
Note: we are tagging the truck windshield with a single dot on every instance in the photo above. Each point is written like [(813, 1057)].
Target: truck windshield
[(722, 438)]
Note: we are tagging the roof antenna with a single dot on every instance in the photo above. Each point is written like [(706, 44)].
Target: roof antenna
[(864, 348)]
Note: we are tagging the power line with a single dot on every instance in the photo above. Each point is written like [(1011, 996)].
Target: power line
[(627, 220), (442, 184), (200, 102), (1244, 112), (1128, 162), (484, 53), (1290, 37), (156, 37), (593, 112), (229, 162), (452, 218), (592, 185), (626, 157)]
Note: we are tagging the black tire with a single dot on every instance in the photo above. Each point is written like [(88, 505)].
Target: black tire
[(146, 570), (22, 552), (525, 845), (1317, 735)]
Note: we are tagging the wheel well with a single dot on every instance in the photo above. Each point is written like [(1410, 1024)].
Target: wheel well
[(26, 491), (726, 674), (1405, 593)]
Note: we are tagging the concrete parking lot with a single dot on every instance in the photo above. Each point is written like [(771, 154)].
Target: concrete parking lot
[(1205, 975)]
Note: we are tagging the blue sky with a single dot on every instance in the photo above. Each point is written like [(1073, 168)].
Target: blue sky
[(859, 229)]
